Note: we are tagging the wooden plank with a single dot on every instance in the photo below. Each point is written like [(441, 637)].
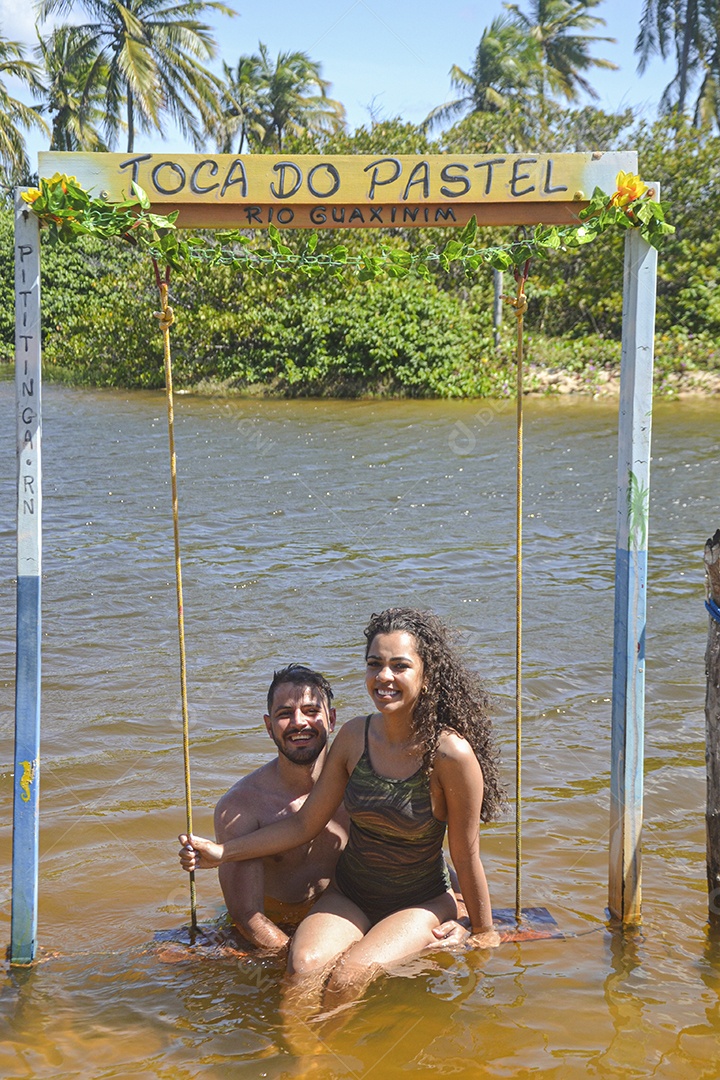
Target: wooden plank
[(382, 216), (365, 191), (712, 727), (29, 559), (628, 699)]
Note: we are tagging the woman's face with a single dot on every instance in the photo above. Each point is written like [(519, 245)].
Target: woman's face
[(394, 673)]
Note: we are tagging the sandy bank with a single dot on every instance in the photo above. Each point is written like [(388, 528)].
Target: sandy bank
[(606, 383)]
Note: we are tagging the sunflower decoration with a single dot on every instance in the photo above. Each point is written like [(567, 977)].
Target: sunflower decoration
[(68, 211)]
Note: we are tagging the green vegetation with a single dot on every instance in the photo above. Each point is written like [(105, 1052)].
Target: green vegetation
[(296, 336), (73, 89), (133, 65), (14, 114), (558, 30)]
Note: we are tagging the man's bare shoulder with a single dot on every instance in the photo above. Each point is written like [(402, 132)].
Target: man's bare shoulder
[(247, 787), (240, 808)]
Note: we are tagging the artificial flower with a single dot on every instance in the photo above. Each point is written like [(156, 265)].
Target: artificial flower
[(629, 188)]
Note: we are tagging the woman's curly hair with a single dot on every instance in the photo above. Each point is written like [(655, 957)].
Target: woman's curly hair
[(454, 697)]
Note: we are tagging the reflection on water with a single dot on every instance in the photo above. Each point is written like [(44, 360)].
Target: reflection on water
[(298, 519)]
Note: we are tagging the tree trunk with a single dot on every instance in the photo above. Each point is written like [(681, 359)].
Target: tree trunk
[(684, 59), (712, 728), (130, 122)]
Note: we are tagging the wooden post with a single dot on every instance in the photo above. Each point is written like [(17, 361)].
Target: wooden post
[(712, 727), (29, 507), (628, 697), (497, 307)]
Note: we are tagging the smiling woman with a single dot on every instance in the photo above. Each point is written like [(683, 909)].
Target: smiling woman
[(394, 679), (419, 766)]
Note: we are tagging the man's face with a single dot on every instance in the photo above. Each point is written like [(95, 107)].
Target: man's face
[(300, 722)]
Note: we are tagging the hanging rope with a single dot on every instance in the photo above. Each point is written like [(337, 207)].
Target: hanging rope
[(519, 303), (166, 318)]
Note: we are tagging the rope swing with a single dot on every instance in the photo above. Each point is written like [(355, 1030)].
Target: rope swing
[(166, 318), (68, 211)]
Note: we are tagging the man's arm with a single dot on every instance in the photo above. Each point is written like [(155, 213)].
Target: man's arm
[(243, 883), (243, 888)]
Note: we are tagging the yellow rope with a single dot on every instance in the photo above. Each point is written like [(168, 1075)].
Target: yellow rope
[(519, 302), (166, 318)]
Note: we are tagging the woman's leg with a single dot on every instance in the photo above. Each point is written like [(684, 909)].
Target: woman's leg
[(332, 926), (397, 937)]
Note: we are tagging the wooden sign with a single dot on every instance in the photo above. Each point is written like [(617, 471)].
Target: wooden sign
[(351, 191)]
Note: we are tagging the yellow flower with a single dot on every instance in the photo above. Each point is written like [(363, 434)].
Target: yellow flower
[(629, 188), (59, 180), (62, 181)]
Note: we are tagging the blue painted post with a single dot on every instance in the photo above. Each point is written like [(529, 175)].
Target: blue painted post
[(628, 700), (27, 673)]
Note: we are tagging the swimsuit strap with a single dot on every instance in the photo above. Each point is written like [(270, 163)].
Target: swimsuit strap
[(368, 718)]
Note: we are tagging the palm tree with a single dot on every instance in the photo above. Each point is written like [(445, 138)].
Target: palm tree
[(150, 50), (681, 26), (14, 164), (239, 106), (504, 62), (690, 28), (291, 98), (73, 89), (559, 29), (707, 106)]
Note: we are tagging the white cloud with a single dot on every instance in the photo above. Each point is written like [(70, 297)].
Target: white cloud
[(17, 21)]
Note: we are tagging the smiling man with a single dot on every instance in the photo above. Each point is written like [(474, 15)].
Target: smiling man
[(280, 889)]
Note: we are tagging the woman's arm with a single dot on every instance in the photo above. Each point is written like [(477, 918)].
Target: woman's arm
[(198, 853), (461, 779)]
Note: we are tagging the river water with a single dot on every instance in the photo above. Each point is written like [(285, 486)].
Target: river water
[(298, 519)]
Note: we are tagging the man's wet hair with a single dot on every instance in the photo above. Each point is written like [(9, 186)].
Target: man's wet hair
[(299, 675)]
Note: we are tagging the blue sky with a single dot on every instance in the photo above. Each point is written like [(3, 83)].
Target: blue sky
[(393, 57)]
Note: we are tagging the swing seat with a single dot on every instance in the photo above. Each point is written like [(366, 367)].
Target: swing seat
[(536, 924), (211, 940)]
